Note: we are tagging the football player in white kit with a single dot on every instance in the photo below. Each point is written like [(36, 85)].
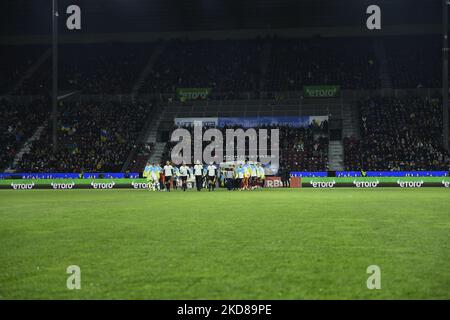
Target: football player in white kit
[(212, 173), (184, 172), (198, 173)]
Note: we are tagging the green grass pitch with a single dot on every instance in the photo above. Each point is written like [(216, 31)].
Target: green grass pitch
[(277, 244)]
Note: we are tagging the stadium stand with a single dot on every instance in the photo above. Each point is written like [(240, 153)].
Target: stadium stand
[(228, 67), (398, 134), (304, 149), (14, 62), (109, 68), (297, 62), (352, 160), (18, 122), (225, 66), (232, 66), (92, 136), (143, 151), (300, 149), (414, 62)]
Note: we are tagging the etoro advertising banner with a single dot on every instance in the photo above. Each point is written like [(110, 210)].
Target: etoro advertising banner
[(325, 91), (271, 182), (376, 182), (184, 94)]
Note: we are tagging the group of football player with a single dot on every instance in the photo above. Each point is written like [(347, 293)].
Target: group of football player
[(241, 176)]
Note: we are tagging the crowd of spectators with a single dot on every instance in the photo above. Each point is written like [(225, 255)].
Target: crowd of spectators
[(352, 157), (294, 63), (92, 137), (142, 152), (18, 123), (110, 68), (304, 149), (414, 62), (398, 134), (224, 66), (229, 67), (14, 63), (300, 149)]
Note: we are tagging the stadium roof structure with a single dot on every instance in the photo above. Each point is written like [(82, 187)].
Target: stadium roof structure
[(31, 17)]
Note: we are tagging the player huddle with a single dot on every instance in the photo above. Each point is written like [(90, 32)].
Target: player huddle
[(248, 176), (240, 176)]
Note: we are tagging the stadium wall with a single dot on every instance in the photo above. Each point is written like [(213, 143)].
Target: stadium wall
[(317, 183), (279, 96), (352, 31)]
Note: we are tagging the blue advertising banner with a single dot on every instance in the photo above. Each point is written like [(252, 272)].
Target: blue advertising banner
[(250, 122), (58, 175), (135, 175), (49, 175), (309, 174), (105, 175), (392, 174)]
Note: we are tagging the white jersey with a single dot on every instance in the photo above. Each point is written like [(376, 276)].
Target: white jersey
[(211, 170), (198, 170), (184, 171), (168, 170)]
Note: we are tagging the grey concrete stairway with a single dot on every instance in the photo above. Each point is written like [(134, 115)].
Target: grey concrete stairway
[(148, 134), (350, 121), (335, 155), (26, 147), (152, 137), (157, 152)]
